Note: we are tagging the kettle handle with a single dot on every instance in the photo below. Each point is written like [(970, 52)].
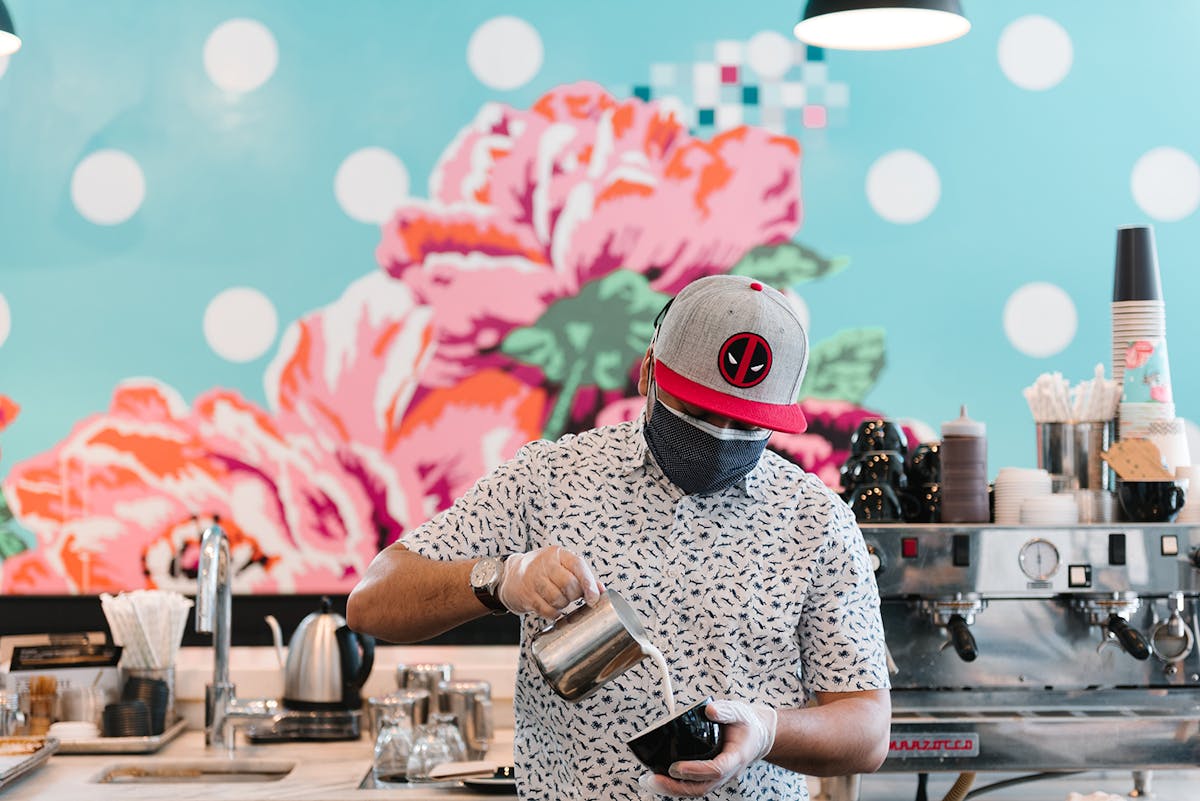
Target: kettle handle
[(348, 649)]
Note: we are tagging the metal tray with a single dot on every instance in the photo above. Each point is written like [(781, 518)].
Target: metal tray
[(12, 770), (123, 745)]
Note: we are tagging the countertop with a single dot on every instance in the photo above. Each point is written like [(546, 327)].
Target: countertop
[(327, 771)]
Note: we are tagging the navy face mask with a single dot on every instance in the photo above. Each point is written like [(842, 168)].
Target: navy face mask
[(699, 457)]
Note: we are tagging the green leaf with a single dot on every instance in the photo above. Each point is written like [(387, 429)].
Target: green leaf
[(11, 542), (787, 264), (589, 339), (845, 366)]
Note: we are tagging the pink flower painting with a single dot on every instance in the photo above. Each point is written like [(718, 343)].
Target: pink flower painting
[(514, 302)]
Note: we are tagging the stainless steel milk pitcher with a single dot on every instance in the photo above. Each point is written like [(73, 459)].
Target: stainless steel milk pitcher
[(582, 651)]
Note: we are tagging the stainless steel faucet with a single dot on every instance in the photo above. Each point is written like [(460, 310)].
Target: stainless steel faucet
[(214, 607)]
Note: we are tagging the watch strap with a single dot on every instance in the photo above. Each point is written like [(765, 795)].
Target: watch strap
[(488, 595)]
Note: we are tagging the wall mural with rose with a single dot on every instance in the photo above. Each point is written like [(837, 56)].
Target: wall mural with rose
[(314, 273), (514, 302)]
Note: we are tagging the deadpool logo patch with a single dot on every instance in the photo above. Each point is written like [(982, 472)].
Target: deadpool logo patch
[(745, 359)]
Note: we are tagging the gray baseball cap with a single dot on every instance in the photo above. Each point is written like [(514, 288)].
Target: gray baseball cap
[(736, 347)]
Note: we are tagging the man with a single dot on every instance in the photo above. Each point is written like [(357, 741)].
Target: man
[(747, 573)]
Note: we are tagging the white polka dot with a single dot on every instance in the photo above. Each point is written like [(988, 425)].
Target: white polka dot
[(1040, 319), (108, 187), (769, 54), (240, 55), (1035, 52), (3, 65), (505, 52), (5, 320), (240, 324), (370, 184), (903, 187), (1166, 184)]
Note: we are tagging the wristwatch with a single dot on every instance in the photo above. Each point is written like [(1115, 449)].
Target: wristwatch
[(485, 581)]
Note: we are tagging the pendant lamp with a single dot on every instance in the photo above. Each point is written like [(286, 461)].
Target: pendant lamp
[(9, 41), (880, 24)]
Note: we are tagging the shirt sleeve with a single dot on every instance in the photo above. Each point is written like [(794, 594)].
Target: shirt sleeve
[(492, 518), (842, 648)]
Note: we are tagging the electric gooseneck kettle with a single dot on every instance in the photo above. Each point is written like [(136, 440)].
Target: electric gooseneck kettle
[(327, 663)]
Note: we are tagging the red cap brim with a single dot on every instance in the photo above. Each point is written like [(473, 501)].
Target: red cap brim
[(785, 417)]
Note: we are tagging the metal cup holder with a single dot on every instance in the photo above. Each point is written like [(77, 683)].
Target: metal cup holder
[(957, 614), (1112, 613)]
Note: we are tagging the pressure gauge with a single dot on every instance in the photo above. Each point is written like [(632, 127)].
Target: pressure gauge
[(1039, 559)]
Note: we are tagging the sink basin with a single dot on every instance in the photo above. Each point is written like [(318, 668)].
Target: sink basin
[(206, 771)]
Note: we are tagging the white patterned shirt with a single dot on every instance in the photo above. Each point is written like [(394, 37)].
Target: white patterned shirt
[(761, 592)]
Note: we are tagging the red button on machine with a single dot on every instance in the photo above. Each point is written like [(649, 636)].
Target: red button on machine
[(908, 547)]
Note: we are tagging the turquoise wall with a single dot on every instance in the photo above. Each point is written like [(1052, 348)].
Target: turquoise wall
[(1015, 184)]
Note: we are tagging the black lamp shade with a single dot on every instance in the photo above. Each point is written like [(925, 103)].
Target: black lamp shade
[(880, 24), (9, 41)]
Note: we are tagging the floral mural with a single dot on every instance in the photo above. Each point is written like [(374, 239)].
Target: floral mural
[(515, 302)]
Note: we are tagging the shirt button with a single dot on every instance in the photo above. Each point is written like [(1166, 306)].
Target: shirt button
[(674, 571)]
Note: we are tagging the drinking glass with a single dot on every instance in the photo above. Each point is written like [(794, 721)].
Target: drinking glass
[(12, 719), (434, 743), (393, 746), (413, 703)]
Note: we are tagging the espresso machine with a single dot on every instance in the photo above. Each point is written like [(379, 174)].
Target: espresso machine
[(1062, 648)]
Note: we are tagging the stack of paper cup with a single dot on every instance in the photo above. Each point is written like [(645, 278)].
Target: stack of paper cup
[(1139, 348), (1014, 486)]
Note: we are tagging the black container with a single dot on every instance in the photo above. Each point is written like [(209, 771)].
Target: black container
[(1135, 276), (126, 719), (154, 693), (687, 736)]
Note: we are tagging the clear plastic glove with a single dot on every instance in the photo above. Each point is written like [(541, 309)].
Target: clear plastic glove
[(749, 735), (546, 581)]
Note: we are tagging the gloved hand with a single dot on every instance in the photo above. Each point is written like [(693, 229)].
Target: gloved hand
[(546, 581), (749, 736)]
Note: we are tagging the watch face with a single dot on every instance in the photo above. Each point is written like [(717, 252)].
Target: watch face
[(485, 573)]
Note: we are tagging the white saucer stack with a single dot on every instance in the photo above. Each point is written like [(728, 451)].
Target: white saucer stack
[(1050, 510), (1014, 486), (74, 730)]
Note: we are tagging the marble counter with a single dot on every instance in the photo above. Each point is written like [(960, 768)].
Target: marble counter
[(329, 771)]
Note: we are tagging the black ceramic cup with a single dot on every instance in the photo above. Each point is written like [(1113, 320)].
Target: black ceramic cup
[(879, 467), (924, 466), (687, 736), (877, 434), (927, 504), (880, 503), (1150, 501), (845, 475)]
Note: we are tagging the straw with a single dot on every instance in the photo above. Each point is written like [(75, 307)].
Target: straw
[(148, 624), (1052, 399)]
